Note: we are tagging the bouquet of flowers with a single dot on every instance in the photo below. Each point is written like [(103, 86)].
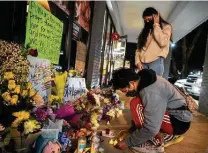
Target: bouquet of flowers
[(54, 101), (13, 58), (16, 102)]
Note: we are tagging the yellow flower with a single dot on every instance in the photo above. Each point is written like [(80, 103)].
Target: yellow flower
[(23, 115), (53, 98), (20, 116), (8, 75), (24, 93), (14, 100), (17, 89), (31, 126), (38, 100), (11, 84), (6, 96), (29, 85), (32, 92)]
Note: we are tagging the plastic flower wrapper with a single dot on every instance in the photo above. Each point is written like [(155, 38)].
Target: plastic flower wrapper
[(64, 140)]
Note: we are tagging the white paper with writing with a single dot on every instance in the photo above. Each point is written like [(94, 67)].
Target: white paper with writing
[(74, 88), (40, 76)]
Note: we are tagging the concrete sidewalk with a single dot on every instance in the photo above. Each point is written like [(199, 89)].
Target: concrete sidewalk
[(196, 139)]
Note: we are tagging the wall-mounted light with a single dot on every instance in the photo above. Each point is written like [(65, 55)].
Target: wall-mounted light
[(173, 45)]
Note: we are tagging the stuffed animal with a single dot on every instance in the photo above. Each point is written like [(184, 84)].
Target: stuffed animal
[(47, 145), (115, 97), (52, 147)]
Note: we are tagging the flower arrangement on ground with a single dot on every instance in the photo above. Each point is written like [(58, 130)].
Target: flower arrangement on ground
[(16, 102)]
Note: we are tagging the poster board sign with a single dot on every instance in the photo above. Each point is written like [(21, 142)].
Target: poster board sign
[(43, 32), (40, 76), (74, 89)]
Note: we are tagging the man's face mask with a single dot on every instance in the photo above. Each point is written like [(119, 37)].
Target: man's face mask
[(131, 93)]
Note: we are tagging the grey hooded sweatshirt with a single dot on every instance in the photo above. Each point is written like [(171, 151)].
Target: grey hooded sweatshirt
[(157, 98)]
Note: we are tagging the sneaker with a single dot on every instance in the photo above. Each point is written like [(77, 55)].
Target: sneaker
[(148, 148), (176, 140)]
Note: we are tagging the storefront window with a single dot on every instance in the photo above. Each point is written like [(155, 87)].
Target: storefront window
[(107, 50)]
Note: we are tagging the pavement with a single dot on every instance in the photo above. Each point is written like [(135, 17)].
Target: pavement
[(195, 140)]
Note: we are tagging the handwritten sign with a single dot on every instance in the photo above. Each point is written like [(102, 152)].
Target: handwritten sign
[(74, 88), (43, 32), (40, 76)]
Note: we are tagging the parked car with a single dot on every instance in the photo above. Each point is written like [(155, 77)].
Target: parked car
[(192, 84), (180, 83)]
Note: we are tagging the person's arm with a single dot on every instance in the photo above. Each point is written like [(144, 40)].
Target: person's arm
[(154, 110), (162, 36), (137, 61)]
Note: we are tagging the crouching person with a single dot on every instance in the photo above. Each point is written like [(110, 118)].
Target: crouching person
[(159, 112)]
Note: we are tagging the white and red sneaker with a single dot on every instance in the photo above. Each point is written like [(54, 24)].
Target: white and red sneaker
[(148, 148)]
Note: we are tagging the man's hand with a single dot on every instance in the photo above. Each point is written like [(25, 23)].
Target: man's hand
[(121, 145)]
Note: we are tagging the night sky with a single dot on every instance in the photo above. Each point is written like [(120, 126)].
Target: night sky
[(196, 60)]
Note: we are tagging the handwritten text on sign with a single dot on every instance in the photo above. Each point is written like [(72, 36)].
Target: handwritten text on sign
[(74, 88), (40, 76), (43, 32)]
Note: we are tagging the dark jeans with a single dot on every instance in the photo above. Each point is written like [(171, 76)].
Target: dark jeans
[(179, 127)]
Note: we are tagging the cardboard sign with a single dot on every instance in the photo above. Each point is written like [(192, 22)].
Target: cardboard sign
[(43, 32), (74, 89), (40, 76)]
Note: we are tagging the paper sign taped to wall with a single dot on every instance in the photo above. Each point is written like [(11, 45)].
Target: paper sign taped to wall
[(43, 32), (74, 89)]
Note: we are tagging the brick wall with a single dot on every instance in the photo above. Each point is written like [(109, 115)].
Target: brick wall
[(203, 99), (93, 67)]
